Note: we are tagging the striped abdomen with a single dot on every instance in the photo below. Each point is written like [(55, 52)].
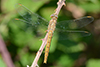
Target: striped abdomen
[(50, 34), (51, 29)]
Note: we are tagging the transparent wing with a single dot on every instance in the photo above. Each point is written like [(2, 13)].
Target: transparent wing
[(30, 17), (22, 25), (75, 24), (30, 22), (64, 33), (69, 34), (33, 21)]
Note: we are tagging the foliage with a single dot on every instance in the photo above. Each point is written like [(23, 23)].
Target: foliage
[(23, 45)]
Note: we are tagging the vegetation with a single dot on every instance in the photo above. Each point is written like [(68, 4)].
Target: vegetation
[(23, 42)]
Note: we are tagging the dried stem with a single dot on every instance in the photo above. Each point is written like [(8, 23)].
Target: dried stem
[(34, 64), (5, 54)]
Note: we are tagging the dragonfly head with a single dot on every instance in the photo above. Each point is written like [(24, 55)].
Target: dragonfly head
[(54, 16)]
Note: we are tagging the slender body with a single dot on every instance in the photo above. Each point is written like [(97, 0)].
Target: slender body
[(35, 20), (51, 28)]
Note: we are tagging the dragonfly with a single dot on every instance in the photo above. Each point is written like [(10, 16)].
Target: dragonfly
[(63, 27)]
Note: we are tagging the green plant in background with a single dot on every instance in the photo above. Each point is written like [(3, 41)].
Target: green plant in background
[(23, 46)]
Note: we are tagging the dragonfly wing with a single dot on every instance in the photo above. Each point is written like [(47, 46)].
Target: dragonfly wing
[(35, 30), (30, 17), (30, 22), (68, 34), (22, 24), (75, 24)]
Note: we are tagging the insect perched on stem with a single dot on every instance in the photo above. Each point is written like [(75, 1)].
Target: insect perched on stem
[(63, 27)]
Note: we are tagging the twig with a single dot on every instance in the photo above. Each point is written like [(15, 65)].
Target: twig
[(5, 54), (60, 4), (34, 64)]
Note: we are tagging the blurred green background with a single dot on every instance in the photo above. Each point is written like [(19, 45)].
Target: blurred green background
[(75, 52)]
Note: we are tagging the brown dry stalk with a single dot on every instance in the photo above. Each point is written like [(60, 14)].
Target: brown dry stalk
[(44, 41), (5, 54)]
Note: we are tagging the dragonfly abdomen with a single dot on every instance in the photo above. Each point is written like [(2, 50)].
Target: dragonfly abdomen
[(50, 34), (51, 28)]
